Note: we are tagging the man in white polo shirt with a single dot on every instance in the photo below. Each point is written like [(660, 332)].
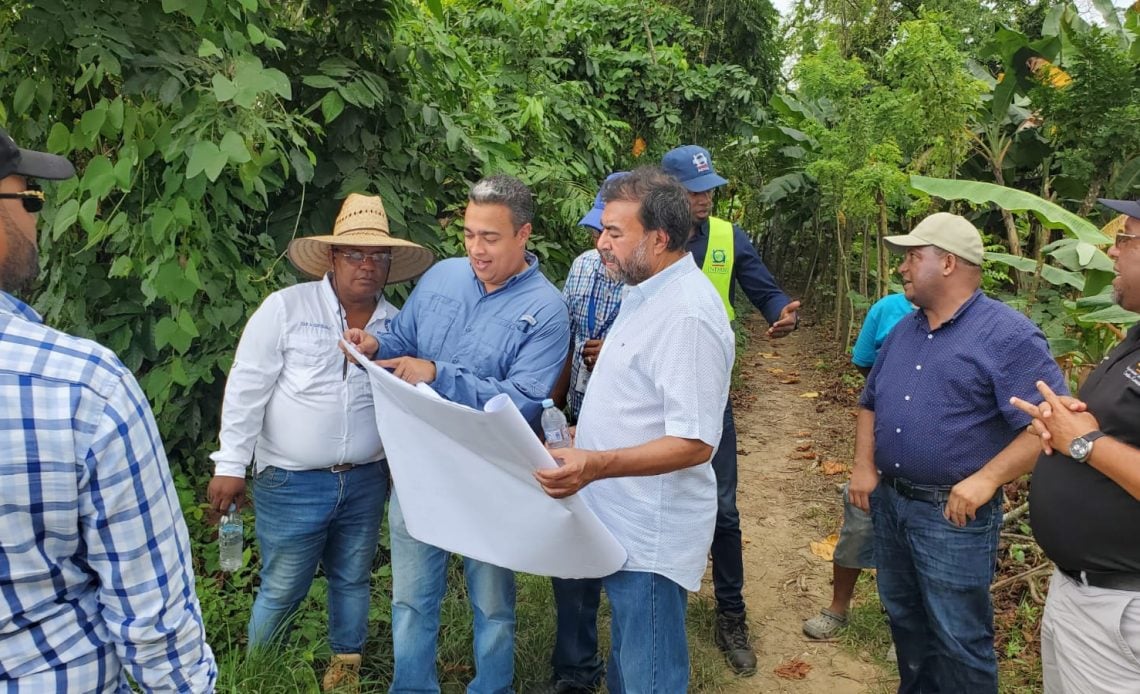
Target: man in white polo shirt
[(649, 425)]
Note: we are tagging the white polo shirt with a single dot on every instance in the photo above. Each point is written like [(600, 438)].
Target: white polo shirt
[(664, 370), (288, 402)]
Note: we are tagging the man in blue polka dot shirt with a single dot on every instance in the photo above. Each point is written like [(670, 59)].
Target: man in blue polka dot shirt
[(935, 441)]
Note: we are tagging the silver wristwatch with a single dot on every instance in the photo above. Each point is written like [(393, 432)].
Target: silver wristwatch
[(1081, 447)]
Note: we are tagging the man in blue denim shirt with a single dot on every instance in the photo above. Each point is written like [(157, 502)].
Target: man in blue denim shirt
[(936, 438), (471, 329)]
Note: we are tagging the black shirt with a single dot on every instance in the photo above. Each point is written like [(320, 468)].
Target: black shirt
[(1082, 519)]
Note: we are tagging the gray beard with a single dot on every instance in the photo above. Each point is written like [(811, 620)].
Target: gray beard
[(636, 270)]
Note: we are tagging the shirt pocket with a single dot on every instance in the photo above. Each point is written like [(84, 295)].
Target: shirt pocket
[(433, 329), (499, 344), (310, 350)]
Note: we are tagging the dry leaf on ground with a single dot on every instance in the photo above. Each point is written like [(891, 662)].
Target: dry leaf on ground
[(834, 467), (794, 669), (804, 446), (809, 394), (825, 548)]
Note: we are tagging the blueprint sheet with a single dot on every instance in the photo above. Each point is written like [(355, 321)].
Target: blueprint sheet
[(465, 480)]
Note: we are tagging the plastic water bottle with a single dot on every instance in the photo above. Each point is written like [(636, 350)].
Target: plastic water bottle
[(554, 425), (230, 541)]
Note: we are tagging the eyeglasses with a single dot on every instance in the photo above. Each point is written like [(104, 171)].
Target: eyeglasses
[(380, 258), (33, 199), (1122, 238)]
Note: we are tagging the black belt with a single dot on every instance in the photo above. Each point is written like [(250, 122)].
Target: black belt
[(1113, 580), (345, 467), (930, 493)]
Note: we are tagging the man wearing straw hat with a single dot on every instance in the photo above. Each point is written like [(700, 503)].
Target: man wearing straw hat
[(472, 329), (293, 405)]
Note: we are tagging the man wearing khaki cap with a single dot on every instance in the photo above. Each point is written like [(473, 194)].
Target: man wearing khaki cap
[(294, 407), (936, 438)]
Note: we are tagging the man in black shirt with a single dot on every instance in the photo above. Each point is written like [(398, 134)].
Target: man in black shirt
[(1084, 504)]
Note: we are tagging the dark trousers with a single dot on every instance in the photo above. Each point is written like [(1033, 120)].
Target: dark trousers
[(575, 658)]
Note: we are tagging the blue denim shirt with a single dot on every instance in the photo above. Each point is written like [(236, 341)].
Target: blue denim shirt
[(941, 397), (511, 341)]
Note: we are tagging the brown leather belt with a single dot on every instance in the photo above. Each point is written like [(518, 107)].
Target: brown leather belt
[(345, 467)]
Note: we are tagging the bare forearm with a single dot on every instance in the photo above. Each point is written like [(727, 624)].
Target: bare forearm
[(666, 454), (1013, 461), (1119, 462), (865, 438)]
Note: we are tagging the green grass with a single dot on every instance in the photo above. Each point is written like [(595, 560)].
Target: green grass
[(299, 665)]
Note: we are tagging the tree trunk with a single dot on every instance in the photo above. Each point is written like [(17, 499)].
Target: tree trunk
[(1011, 238), (1090, 197), (881, 249), (865, 261)]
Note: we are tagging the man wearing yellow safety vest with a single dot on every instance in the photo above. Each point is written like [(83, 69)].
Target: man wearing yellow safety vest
[(727, 257)]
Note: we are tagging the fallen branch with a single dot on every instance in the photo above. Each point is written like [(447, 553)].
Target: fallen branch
[(1015, 514), (1034, 591), (1039, 569)]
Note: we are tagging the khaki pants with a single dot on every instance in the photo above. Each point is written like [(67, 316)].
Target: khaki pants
[(1090, 639)]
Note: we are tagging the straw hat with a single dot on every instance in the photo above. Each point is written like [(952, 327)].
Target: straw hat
[(361, 222)]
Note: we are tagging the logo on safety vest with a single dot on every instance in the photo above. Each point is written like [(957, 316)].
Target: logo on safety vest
[(719, 256), (701, 162)]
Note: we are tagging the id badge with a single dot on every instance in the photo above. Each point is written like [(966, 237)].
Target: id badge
[(583, 379)]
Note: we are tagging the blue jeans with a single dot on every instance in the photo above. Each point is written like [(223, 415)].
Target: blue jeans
[(649, 651), (419, 581), (575, 658), (934, 581), (305, 518), (727, 552)]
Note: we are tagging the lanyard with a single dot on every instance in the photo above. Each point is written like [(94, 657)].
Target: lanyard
[(592, 314)]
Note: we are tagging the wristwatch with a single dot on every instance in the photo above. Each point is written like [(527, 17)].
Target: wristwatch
[(1081, 447)]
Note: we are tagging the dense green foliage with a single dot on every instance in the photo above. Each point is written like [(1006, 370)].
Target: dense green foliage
[(208, 133)]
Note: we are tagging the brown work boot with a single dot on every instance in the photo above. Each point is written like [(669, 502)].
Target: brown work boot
[(733, 640), (343, 674)]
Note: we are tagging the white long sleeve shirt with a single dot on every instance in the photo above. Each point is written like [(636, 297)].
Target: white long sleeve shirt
[(287, 401)]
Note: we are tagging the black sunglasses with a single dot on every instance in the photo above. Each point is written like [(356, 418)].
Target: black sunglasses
[(33, 199)]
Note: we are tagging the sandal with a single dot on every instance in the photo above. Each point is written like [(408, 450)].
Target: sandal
[(824, 625)]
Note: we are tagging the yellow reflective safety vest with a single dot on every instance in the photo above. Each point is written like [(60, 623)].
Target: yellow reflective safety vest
[(718, 260)]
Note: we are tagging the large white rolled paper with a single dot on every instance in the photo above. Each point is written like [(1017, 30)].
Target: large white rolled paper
[(466, 484)]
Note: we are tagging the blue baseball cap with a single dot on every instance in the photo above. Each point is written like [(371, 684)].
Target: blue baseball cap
[(692, 166), (593, 218), (1128, 207)]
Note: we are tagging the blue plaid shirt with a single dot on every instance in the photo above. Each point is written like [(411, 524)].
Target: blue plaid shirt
[(593, 299), (95, 567)]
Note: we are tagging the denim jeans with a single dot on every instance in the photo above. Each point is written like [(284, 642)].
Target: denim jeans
[(727, 552), (934, 581), (419, 581), (575, 659), (649, 651), (306, 518)]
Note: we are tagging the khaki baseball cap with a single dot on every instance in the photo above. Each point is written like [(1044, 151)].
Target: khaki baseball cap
[(950, 232)]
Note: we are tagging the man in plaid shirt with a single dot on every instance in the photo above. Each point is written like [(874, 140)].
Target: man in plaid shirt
[(95, 567)]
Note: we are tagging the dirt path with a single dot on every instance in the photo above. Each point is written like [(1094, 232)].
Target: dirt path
[(785, 502)]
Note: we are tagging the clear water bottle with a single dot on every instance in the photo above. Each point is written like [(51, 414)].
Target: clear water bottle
[(554, 425), (230, 541)]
